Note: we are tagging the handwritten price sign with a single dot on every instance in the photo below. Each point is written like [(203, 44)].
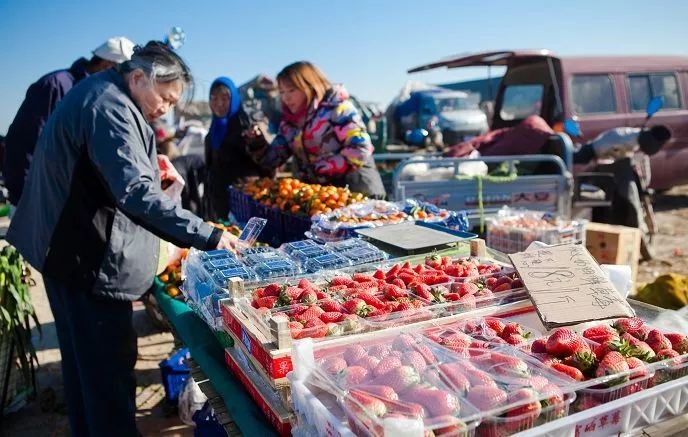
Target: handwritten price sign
[(568, 287)]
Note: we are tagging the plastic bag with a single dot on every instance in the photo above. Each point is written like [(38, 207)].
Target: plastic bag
[(172, 181), (191, 400)]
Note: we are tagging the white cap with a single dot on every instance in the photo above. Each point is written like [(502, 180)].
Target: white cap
[(117, 49)]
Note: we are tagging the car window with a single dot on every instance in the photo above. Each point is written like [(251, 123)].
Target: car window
[(643, 87), (592, 94), (520, 101)]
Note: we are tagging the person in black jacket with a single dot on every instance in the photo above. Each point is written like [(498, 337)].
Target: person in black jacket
[(225, 152)]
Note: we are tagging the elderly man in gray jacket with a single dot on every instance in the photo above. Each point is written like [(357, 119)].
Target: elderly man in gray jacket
[(89, 220)]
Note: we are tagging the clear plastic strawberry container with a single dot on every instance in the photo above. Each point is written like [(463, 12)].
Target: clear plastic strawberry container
[(305, 254), (364, 255), (294, 246), (328, 261), (254, 259)]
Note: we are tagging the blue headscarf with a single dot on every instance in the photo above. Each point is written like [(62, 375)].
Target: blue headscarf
[(218, 127)]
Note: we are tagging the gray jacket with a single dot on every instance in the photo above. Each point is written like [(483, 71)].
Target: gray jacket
[(92, 208)]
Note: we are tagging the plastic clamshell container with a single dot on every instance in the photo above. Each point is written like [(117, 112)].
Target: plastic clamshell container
[(258, 258), (299, 245), (214, 265), (478, 329), (364, 255), (258, 249), (349, 324), (276, 268), (349, 244), (302, 255), (216, 254), (221, 277), (330, 261)]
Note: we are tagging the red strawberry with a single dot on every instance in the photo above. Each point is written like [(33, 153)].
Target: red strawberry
[(564, 342), (289, 295), (392, 292), (468, 302), (584, 360), (531, 409), (419, 269), (569, 371), (371, 300), (501, 287), (434, 261), (657, 341), (538, 382), (407, 278), (496, 324), (453, 297), (330, 305), (380, 391), (354, 375), (337, 289), (515, 340), (638, 366), (354, 353), (603, 349), (636, 348), (311, 313), (404, 306), (334, 365), (399, 283), (258, 293), (517, 283), (308, 297), (386, 364), (679, 342), (370, 404), (399, 378), (451, 373), (361, 277), (421, 290), (486, 398), (611, 364), (341, 280), (394, 270), (634, 326), (305, 284), (379, 274), (331, 317), (350, 322), (321, 295), (479, 378), (266, 302), (415, 360), (403, 343), (456, 341), (295, 329), (600, 332), (425, 352), (491, 283), (315, 328), (514, 328), (368, 362), (272, 290), (539, 346), (356, 306), (666, 354), (436, 402)]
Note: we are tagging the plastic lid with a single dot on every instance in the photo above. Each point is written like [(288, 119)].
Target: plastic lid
[(348, 244), (246, 273), (257, 258), (329, 261), (276, 269), (309, 253), (213, 265), (215, 254), (252, 230), (299, 245), (364, 255)]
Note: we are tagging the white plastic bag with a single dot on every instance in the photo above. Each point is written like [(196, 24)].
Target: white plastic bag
[(191, 399)]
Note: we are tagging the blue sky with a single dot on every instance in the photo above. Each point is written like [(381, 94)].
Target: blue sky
[(366, 44)]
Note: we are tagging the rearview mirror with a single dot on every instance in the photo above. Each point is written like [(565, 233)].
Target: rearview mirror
[(572, 128), (654, 105)]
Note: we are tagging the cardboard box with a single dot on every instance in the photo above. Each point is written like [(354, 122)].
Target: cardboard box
[(613, 244)]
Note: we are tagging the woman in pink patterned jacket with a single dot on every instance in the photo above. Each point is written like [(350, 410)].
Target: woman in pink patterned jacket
[(322, 130)]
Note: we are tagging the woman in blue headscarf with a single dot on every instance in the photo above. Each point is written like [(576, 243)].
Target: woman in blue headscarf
[(225, 147)]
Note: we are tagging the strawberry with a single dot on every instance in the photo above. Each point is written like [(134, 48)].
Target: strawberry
[(407, 278), (638, 366), (634, 326), (514, 328), (657, 341), (451, 373), (371, 300), (380, 391), (456, 341), (483, 294), (350, 322), (266, 302), (394, 270), (415, 360), (354, 375), (452, 297), (399, 378), (468, 302), (337, 289), (311, 313), (666, 354), (403, 343), (334, 365), (569, 371), (636, 348), (305, 284), (421, 290), (316, 328), (397, 354), (354, 353), (434, 261), (272, 290), (600, 332), (308, 297), (331, 317), (554, 395), (515, 340), (371, 405), (491, 283), (258, 293), (404, 306), (340, 280), (679, 342), (379, 274), (419, 269), (495, 324), (368, 362), (425, 352), (531, 409), (538, 382), (289, 295), (506, 364), (564, 342), (386, 364), (611, 364), (321, 295), (399, 283), (436, 402), (479, 378), (603, 349), (295, 329), (517, 283), (501, 287), (393, 292), (486, 398), (331, 305), (356, 306), (583, 360), (539, 346)]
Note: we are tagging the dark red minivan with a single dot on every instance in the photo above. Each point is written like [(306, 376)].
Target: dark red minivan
[(600, 92)]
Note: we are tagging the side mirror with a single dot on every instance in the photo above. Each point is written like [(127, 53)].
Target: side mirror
[(572, 128), (654, 105)]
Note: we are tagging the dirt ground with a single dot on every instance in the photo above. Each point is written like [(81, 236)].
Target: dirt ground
[(45, 416)]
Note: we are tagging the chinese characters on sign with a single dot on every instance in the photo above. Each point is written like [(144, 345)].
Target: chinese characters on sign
[(567, 286)]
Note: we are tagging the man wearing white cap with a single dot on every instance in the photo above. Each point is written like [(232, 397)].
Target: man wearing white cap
[(41, 99)]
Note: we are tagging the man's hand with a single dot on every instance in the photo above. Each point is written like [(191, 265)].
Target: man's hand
[(228, 241)]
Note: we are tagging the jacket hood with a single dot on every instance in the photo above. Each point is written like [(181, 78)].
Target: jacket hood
[(335, 96)]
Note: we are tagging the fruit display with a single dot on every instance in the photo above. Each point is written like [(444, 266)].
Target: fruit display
[(407, 376), (341, 223), (296, 197)]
